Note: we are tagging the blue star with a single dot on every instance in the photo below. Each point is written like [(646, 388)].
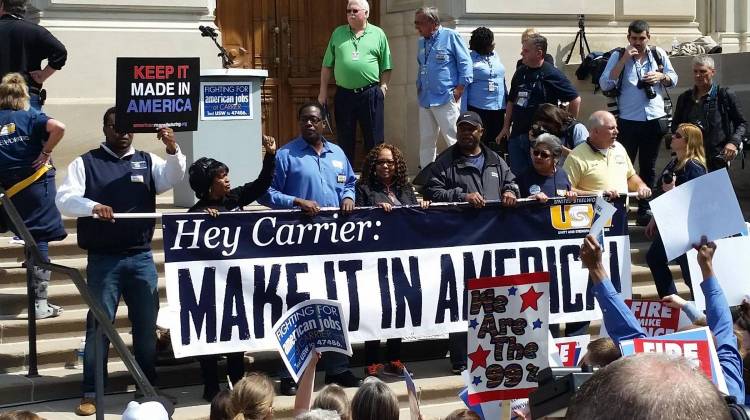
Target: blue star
[(473, 324), (477, 380), (537, 323), (512, 291)]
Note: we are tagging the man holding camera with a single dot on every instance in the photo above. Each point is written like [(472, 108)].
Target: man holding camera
[(715, 110), (638, 76)]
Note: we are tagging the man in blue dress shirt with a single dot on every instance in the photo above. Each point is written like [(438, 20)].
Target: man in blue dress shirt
[(311, 173), (445, 68), (642, 84)]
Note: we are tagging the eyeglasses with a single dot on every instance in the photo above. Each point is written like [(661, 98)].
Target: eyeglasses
[(352, 11), (311, 118), (541, 153), (385, 162)]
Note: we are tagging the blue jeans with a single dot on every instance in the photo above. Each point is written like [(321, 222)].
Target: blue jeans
[(35, 102), (518, 153), (131, 275)]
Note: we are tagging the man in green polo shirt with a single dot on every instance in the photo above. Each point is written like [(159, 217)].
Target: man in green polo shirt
[(360, 59)]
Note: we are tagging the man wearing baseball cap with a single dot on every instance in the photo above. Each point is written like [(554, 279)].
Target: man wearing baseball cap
[(469, 172)]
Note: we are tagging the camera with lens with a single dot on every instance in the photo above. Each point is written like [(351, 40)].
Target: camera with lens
[(667, 177), (647, 89)]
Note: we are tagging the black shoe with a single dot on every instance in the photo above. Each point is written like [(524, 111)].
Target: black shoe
[(288, 387), (457, 369), (346, 379)]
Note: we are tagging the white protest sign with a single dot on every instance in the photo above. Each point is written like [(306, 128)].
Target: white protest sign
[(572, 349), (603, 212), (731, 266), (508, 332), (706, 205)]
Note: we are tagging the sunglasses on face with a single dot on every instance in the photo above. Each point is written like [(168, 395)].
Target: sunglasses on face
[(352, 11), (313, 119), (537, 130), (385, 162), (541, 153), (677, 135)]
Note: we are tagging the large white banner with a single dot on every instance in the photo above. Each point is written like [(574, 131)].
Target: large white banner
[(401, 274)]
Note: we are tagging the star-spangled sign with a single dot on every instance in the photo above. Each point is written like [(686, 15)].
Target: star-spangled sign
[(509, 346)]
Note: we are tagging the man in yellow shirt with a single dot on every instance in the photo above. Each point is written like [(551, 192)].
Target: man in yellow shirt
[(601, 164)]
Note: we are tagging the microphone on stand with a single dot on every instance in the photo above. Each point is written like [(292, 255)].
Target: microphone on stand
[(210, 32)]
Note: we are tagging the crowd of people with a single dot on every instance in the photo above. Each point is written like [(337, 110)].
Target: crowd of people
[(504, 143)]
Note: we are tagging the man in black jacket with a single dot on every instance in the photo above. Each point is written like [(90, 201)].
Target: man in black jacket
[(469, 172), (23, 47), (715, 110)]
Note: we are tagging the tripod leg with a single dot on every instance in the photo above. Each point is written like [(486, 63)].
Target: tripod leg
[(567, 59)]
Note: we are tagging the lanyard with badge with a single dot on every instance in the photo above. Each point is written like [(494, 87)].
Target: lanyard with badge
[(524, 93), (432, 40), (355, 42), (491, 83)]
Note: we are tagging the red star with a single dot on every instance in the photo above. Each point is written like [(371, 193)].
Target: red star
[(530, 298), (479, 358)]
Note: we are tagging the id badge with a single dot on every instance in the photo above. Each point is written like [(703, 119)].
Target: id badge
[(340, 179), (491, 86), (355, 55), (136, 178), (523, 99)]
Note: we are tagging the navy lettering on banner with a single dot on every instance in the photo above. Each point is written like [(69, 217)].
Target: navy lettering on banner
[(351, 268), (385, 293), (568, 304), (407, 292), (448, 299), (266, 295), (294, 297), (401, 275), (201, 310), (234, 303)]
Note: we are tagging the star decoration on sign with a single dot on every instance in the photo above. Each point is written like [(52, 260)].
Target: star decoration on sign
[(479, 358), (512, 291), (537, 323), (473, 324), (530, 298), (477, 380)]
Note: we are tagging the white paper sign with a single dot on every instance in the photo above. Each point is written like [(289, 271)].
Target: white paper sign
[(731, 265), (603, 212), (706, 205)]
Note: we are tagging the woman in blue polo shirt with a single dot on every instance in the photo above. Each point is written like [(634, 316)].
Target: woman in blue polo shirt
[(27, 138), (486, 94)]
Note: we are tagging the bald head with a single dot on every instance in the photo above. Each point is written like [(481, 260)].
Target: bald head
[(602, 127), (648, 386)]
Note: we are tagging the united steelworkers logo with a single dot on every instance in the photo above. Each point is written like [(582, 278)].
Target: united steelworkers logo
[(573, 216), (8, 129)]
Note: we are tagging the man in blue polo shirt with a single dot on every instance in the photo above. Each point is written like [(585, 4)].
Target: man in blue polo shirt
[(312, 173)]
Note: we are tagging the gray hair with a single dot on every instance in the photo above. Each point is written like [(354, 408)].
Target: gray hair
[(704, 60), (648, 386), (596, 120), (15, 7), (430, 12), (539, 42), (318, 414), (364, 4), (552, 142), (374, 400)]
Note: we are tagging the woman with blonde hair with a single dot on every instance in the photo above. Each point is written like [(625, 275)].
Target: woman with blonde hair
[(27, 139), (252, 397), (688, 163)]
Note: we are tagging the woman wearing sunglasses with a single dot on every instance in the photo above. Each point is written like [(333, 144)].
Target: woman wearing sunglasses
[(545, 178), (384, 184), (688, 163)]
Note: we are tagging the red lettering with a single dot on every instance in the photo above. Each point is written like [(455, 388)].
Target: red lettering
[(138, 72)]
